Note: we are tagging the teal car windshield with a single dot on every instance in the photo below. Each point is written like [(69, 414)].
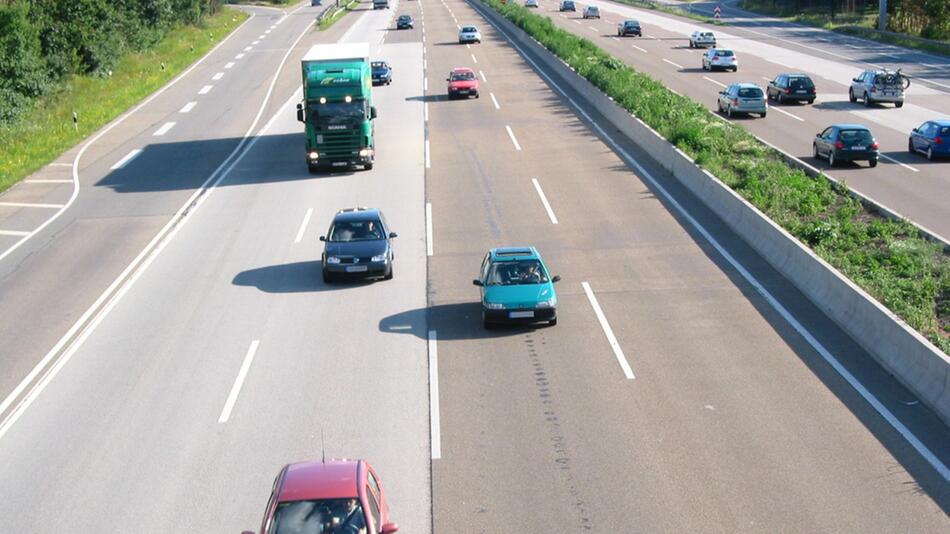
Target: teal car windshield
[(513, 273)]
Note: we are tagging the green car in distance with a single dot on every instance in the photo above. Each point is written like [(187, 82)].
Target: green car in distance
[(516, 287)]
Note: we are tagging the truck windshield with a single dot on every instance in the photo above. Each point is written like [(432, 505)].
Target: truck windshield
[(337, 112)]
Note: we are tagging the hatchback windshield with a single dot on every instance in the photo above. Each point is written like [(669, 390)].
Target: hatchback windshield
[(404, 18), (325, 515), (346, 231), (750, 92), (378, 65), (512, 273), (463, 76), (854, 136)]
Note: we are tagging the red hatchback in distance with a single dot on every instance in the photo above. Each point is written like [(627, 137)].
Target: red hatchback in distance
[(462, 83), (338, 496)]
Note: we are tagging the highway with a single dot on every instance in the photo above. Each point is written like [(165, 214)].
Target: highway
[(906, 183), (671, 396)]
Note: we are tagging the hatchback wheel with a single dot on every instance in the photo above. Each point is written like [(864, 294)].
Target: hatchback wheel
[(729, 112), (910, 146), (831, 158), (811, 101), (552, 322), (327, 278), (851, 97), (872, 163), (867, 101), (930, 153), (898, 104), (780, 97), (814, 150)]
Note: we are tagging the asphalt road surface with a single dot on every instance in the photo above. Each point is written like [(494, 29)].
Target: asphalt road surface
[(671, 396)]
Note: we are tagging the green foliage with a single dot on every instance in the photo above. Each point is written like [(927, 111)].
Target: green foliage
[(22, 67), (889, 259)]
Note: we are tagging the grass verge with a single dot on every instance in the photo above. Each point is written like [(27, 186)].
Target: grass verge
[(889, 259), (46, 130), (329, 21)]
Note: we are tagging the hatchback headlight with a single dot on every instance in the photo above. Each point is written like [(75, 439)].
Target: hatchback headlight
[(494, 305), (333, 259), (380, 258), (550, 303)]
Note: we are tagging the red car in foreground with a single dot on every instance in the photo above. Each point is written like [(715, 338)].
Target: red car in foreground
[(462, 83), (338, 496)]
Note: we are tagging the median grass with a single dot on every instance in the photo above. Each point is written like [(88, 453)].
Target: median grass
[(329, 21), (46, 130), (890, 259)]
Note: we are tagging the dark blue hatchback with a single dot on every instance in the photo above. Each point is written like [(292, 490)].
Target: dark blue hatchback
[(931, 139), (382, 73), (846, 142), (358, 245)]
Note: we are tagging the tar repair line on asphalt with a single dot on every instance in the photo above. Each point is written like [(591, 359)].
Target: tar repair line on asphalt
[(611, 339), (303, 225), (435, 426), (95, 314), (239, 381), (544, 200), (882, 410)]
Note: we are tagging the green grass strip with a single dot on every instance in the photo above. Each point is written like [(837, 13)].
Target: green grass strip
[(890, 259), (46, 130), (329, 21)]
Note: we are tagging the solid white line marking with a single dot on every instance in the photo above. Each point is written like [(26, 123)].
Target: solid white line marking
[(61, 165), (674, 64), (238, 382), (908, 167), (707, 78), (512, 136), (428, 161), (128, 157), (303, 225), (618, 352), (474, 59), (640, 49), (435, 428), (484, 79), (429, 244), (41, 181), (544, 200), (239, 56), (780, 110), (30, 205), (164, 129), (14, 233), (205, 90), (217, 76), (425, 112), (188, 107), (494, 101)]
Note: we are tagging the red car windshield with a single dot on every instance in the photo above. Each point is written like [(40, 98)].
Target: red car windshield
[(320, 516)]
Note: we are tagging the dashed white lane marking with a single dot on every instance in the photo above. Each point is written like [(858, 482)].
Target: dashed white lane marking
[(303, 225), (425, 112), (204, 90), (544, 201), (428, 160), (674, 64), (425, 84), (252, 44), (164, 129), (782, 111), (239, 56), (261, 36), (239, 382), (640, 49), (618, 352), (425, 64), (593, 29), (512, 136), (435, 428), (468, 46), (908, 167), (248, 48), (429, 244), (229, 64), (30, 205), (267, 31), (14, 233), (43, 181), (474, 59), (575, 21), (708, 79), (482, 74), (494, 101), (766, 78), (217, 76), (126, 159), (188, 107)]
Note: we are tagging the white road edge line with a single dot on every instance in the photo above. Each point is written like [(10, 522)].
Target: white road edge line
[(674, 64), (618, 352), (164, 129), (429, 244), (512, 136), (494, 101), (906, 166), (780, 110), (30, 205), (58, 165), (708, 79), (126, 159), (14, 233), (41, 181), (882, 410), (544, 201), (303, 225), (239, 381), (188, 107), (435, 426)]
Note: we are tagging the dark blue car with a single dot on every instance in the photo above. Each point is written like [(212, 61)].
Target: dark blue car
[(382, 73), (358, 245), (931, 139)]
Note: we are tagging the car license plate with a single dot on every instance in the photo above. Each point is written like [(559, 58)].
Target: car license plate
[(858, 148), (356, 269), (463, 91), (520, 314), (339, 164), (800, 92)]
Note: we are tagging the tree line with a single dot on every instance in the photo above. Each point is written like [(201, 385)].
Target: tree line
[(924, 18), (44, 41)]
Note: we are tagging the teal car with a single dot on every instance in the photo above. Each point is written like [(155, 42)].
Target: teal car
[(516, 287)]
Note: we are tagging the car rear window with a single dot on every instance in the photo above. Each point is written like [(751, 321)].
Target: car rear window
[(945, 130), (632, 23), (724, 53), (469, 29), (854, 135), (800, 83), (706, 35), (750, 92)]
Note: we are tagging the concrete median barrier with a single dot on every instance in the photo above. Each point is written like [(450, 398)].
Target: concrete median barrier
[(905, 353)]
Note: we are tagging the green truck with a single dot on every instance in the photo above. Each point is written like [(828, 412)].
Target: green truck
[(337, 108)]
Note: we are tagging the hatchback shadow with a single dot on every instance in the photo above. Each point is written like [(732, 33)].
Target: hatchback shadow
[(457, 320), (299, 277)]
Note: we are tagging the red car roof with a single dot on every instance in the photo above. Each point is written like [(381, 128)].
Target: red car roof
[(335, 479), (463, 69)]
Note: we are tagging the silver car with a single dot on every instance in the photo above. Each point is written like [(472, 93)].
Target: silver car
[(878, 86), (530, 3), (701, 39), (592, 12), (469, 34), (720, 58), (743, 98)]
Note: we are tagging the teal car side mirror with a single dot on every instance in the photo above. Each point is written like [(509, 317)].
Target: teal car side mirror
[(478, 283), (557, 278)]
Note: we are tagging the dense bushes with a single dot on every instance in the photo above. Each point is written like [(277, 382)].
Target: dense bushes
[(889, 259), (44, 41)]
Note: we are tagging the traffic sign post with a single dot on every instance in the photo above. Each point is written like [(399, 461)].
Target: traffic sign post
[(717, 13)]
